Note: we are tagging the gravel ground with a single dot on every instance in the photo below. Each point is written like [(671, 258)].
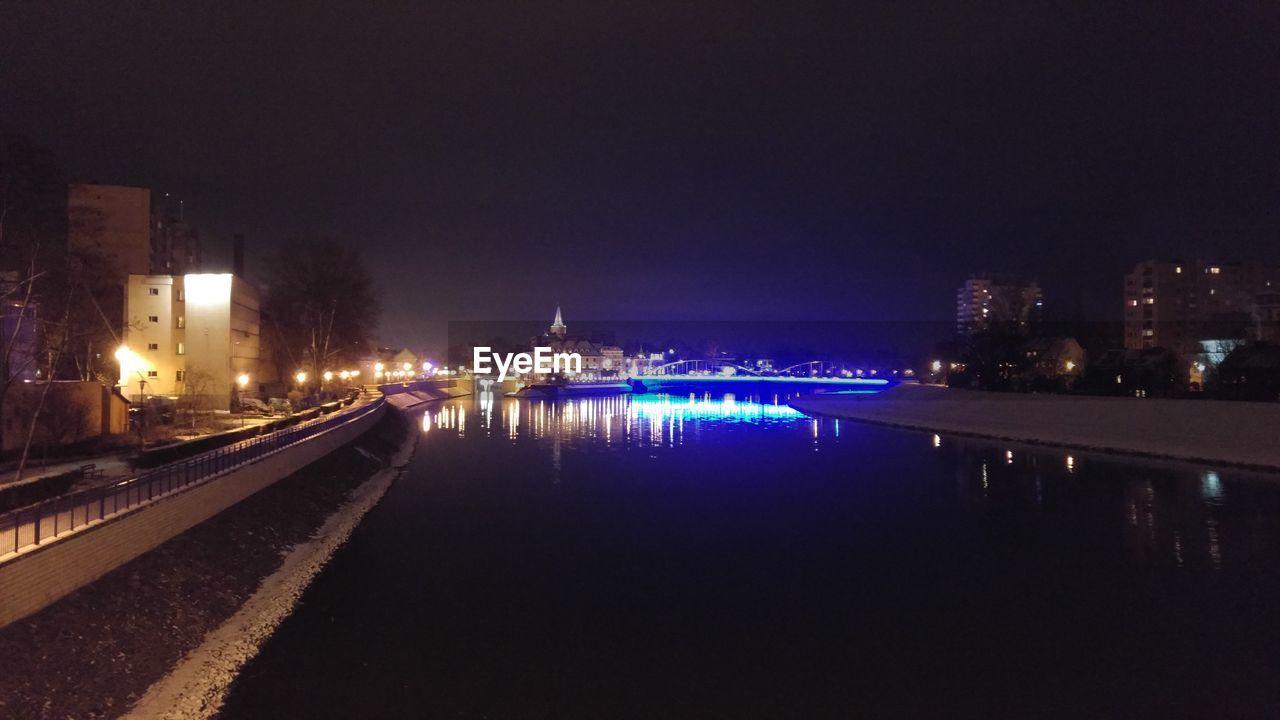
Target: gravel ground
[(96, 651)]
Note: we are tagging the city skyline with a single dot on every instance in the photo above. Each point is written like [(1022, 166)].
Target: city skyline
[(868, 180)]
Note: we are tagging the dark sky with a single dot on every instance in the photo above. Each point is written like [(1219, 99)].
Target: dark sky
[(690, 161)]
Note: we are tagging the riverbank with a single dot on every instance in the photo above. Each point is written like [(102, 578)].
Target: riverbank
[(1208, 431), (97, 651)]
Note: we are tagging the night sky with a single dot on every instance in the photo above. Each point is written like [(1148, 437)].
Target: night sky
[(684, 161)]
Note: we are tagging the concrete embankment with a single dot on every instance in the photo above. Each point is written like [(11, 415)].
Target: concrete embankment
[(409, 395), (1228, 433), (95, 652), (198, 684)]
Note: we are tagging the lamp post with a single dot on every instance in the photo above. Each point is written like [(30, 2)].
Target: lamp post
[(242, 380)]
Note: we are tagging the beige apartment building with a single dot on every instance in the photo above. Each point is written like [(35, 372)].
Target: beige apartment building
[(1176, 305), (194, 334)]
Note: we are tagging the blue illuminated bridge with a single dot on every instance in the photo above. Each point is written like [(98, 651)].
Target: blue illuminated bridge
[(688, 374)]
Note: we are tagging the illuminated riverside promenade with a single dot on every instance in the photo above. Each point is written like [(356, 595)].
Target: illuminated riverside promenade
[(658, 555)]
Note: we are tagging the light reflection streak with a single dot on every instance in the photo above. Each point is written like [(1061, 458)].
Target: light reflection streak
[(656, 420)]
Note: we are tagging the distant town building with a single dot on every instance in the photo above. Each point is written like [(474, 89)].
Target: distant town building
[(598, 359), (190, 334), (1052, 362), (985, 301), (1175, 304), (175, 247)]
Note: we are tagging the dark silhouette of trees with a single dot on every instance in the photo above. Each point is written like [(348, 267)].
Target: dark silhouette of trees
[(322, 305)]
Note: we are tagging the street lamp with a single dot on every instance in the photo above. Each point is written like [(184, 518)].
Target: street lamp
[(243, 381), (328, 376), (301, 377)]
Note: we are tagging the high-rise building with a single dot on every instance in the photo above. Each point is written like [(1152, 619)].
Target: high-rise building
[(1176, 305), (192, 334), (113, 222), (130, 234), (988, 300)]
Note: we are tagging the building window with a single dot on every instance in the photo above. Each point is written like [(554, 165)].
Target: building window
[(1148, 301), (1133, 303), (1178, 269), (181, 376), (182, 321), (153, 346), (153, 318), (1148, 332), (182, 296), (1215, 270), (153, 291), (153, 373), (182, 349)]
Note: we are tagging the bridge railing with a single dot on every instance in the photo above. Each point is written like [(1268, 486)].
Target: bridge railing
[(30, 526)]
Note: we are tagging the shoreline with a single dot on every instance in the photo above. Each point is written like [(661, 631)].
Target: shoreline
[(1207, 432), (197, 685)]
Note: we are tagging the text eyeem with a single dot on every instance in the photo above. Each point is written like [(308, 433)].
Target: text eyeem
[(542, 361)]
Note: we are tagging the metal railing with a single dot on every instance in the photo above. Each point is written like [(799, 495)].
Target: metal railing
[(46, 520)]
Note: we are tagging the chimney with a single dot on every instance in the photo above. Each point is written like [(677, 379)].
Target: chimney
[(237, 255)]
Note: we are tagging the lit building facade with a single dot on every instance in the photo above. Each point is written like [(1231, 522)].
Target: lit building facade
[(1176, 305), (987, 300), (190, 334)]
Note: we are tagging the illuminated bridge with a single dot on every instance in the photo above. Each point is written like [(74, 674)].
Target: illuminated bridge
[(689, 374)]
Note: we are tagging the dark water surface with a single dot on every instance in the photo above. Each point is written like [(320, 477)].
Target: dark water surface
[(654, 557)]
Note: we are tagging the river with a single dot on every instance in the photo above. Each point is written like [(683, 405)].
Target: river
[(728, 557)]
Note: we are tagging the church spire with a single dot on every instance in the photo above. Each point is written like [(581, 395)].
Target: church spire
[(558, 328)]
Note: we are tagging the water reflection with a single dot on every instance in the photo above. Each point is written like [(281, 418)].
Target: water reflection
[(1170, 516), (653, 420)]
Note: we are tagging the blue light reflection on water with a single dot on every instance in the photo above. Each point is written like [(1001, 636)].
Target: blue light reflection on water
[(652, 419)]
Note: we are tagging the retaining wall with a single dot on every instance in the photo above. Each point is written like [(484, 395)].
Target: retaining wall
[(34, 579)]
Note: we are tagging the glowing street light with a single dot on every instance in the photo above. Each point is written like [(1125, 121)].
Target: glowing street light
[(328, 376), (936, 366), (378, 367), (301, 377), (242, 380), (345, 375)]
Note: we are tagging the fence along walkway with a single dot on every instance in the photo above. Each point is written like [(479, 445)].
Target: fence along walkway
[(43, 522)]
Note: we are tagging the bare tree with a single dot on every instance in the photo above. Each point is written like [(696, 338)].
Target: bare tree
[(322, 301), (197, 394)]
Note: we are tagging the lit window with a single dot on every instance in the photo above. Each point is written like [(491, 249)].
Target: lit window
[(182, 321), (1148, 301), (153, 346), (182, 295), (1148, 332), (182, 349), (153, 291), (1178, 269), (153, 318), (1133, 303), (1215, 270)]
